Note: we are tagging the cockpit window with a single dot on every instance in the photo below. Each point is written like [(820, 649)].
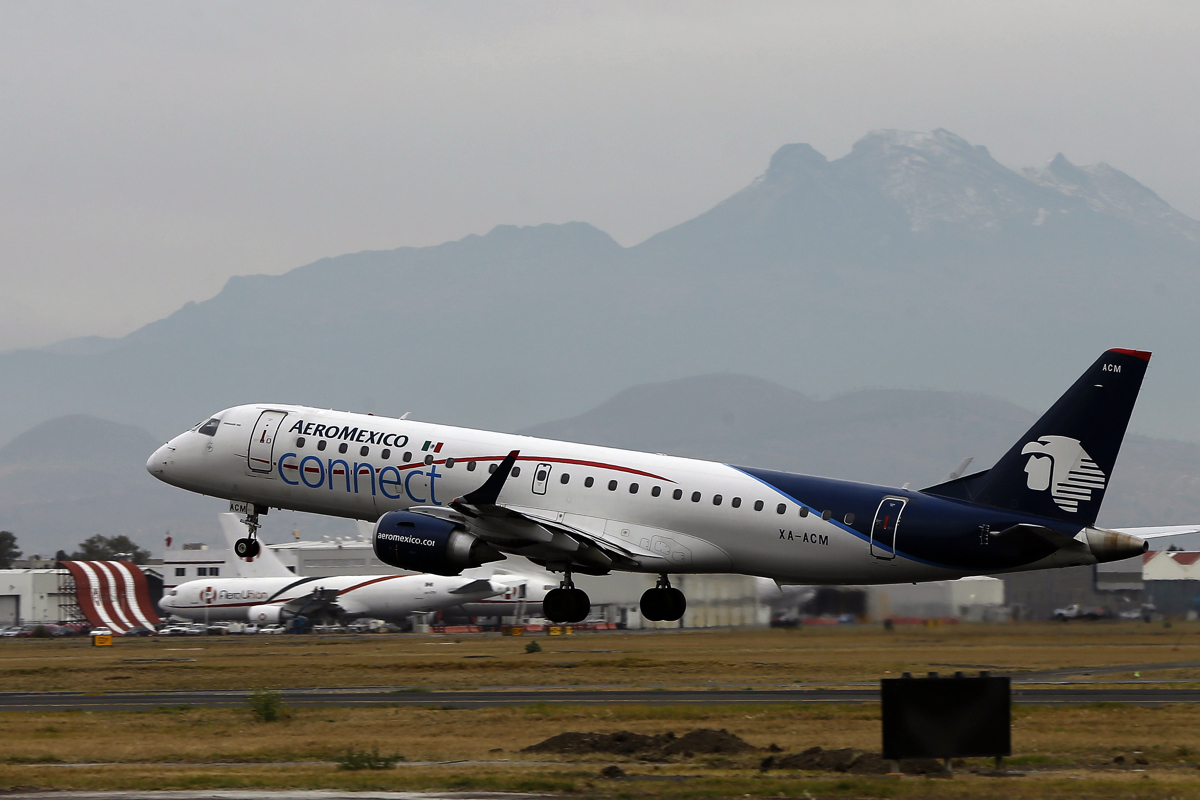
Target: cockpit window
[(209, 428)]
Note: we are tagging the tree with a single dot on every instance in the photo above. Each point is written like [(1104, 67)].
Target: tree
[(8, 549), (110, 548)]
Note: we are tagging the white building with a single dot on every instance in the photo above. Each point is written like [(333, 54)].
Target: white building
[(30, 596)]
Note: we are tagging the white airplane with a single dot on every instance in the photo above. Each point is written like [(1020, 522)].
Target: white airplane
[(446, 499), (265, 591), (341, 597)]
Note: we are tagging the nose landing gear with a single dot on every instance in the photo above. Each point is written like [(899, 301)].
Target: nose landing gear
[(663, 602), (248, 547), (566, 603)]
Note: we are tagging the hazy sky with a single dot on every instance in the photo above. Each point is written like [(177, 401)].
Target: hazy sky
[(148, 151)]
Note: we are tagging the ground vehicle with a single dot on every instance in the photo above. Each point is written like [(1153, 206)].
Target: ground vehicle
[(269, 629), (1076, 611), (100, 632)]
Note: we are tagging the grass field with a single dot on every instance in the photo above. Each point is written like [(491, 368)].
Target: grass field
[(696, 658), (1066, 751)]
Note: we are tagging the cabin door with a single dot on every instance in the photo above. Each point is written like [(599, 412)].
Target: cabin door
[(886, 527), (260, 456), (541, 476)]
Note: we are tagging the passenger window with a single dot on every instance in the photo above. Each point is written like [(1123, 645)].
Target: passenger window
[(201, 571), (299, 441), (180, 572), (449, 463), (541, 476), (826, 514), (428, 459), (849, 519), (612, 486), (656, 491), (804, 511), (758, 505), (677, 494), (407, 456), (633, 487), (716, 499), (320, 444), (588, 481), (386, 454), (781, 508), (491, 467), (343, 447), (736, 502), (516, 471), (214, 572), (364, 450), (565, 479), (210, 427), (470, 466), (695, 497)]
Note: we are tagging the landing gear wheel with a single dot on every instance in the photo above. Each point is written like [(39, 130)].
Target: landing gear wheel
[(652, 605), (676, 603), (663, 603), (581, 605), (556, 606), (246, 548)]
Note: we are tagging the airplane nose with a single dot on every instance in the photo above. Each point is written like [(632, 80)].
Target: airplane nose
[(157, 464)]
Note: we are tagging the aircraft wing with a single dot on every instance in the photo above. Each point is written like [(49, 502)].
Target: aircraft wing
[(526, 531), (1160, 532)]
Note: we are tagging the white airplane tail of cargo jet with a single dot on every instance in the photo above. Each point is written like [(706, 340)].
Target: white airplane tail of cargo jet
[(446, 499)]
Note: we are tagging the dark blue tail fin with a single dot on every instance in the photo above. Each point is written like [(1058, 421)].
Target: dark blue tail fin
[(1060, 468)]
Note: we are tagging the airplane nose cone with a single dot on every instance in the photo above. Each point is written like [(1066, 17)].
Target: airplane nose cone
[(162, 458)]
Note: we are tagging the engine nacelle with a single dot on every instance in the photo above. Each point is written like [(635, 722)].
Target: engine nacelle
[(265, 615), (427, 544)]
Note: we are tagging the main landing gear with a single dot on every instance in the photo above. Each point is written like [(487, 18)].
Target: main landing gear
[(248, 547), (566, 603), (663, 602)]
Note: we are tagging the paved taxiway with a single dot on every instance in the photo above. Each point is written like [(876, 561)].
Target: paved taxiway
[(112, 701)]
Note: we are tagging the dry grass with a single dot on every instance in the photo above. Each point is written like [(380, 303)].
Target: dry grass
[(1070, 749), (683, 658)]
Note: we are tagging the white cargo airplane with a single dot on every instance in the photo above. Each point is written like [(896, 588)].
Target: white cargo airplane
[(445, 499), (265, 591)]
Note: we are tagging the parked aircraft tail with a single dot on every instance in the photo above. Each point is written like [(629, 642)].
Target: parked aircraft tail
[(265, 565), (1061, 467)]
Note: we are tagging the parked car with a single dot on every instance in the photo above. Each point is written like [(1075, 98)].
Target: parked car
[(100, 632), (273, 628), (139, 630), (173, 630), (250, 627)]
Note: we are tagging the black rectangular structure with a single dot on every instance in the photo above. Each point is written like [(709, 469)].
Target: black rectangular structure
[(955, 717)]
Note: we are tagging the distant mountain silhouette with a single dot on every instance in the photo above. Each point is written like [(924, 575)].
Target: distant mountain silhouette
[(916, 260)]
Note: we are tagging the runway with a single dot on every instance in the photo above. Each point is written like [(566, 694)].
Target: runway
[(374, 696)]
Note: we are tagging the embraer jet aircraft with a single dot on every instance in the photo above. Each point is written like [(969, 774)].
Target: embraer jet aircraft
[(446, 499)]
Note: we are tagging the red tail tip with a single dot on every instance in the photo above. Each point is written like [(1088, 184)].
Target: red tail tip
[(1144, 355)]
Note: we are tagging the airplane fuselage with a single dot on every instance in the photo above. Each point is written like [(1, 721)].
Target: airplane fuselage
[(666, 514)]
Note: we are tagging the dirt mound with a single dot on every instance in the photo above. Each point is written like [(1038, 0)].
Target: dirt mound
[(848, 759), (702, 741), (705, 741)]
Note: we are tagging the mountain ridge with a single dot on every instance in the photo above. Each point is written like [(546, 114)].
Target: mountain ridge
[(914, 260)]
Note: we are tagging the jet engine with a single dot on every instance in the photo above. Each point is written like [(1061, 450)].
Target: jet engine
[(265, 615), (427, 544)]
